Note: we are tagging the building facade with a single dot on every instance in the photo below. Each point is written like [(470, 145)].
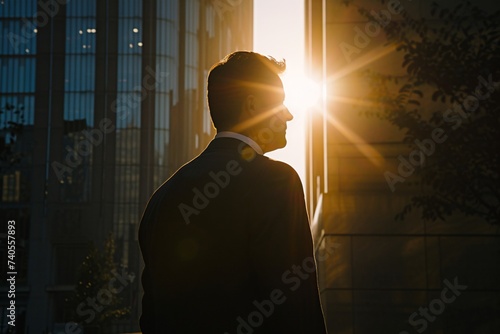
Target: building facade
[(379, 275), (101, 102)]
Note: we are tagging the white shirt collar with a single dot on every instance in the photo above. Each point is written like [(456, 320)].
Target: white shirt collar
[(247, 140)]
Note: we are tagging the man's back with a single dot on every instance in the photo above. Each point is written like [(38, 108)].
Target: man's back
[(229, 241)]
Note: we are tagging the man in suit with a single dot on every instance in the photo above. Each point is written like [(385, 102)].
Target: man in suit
[(226, 240)]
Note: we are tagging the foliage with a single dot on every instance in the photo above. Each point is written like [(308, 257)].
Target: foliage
[(452, 82), (94, 276)]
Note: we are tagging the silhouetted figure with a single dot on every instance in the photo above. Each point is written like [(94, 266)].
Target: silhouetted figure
[(226, 240)]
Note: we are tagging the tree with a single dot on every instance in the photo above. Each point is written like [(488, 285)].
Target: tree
[(452, 84), (94, 277)]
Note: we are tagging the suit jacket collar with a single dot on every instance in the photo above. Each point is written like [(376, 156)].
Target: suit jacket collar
[(225, 143), (247, 140)]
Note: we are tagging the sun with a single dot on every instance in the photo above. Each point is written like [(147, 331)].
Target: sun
[(301, 93)]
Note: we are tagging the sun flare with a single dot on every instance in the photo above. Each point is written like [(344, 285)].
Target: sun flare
[(301, 93)]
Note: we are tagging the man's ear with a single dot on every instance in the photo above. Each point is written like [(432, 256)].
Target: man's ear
[(250, 105)]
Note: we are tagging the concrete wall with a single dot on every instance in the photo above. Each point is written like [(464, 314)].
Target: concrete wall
[(381, 271)]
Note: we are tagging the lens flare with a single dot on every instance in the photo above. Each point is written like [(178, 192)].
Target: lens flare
[(301, 93)]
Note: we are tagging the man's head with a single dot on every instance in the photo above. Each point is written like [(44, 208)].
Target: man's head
[(245, 95)]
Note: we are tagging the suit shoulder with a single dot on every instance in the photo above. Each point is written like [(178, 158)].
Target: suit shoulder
[(170, 183), (278, 169), (278, 166)]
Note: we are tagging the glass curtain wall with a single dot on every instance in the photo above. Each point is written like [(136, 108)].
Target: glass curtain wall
[(167, 50), (79, 94), (128, 124), (17, 110)]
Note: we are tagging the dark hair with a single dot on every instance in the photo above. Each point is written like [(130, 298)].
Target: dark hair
[(238, 75)]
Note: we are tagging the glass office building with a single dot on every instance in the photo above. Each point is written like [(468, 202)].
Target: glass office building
[(101, 101)]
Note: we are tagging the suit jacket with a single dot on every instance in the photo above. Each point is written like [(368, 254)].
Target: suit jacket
[(228, 249)]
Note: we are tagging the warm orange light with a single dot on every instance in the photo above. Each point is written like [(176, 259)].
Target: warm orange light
[(301, 93)]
